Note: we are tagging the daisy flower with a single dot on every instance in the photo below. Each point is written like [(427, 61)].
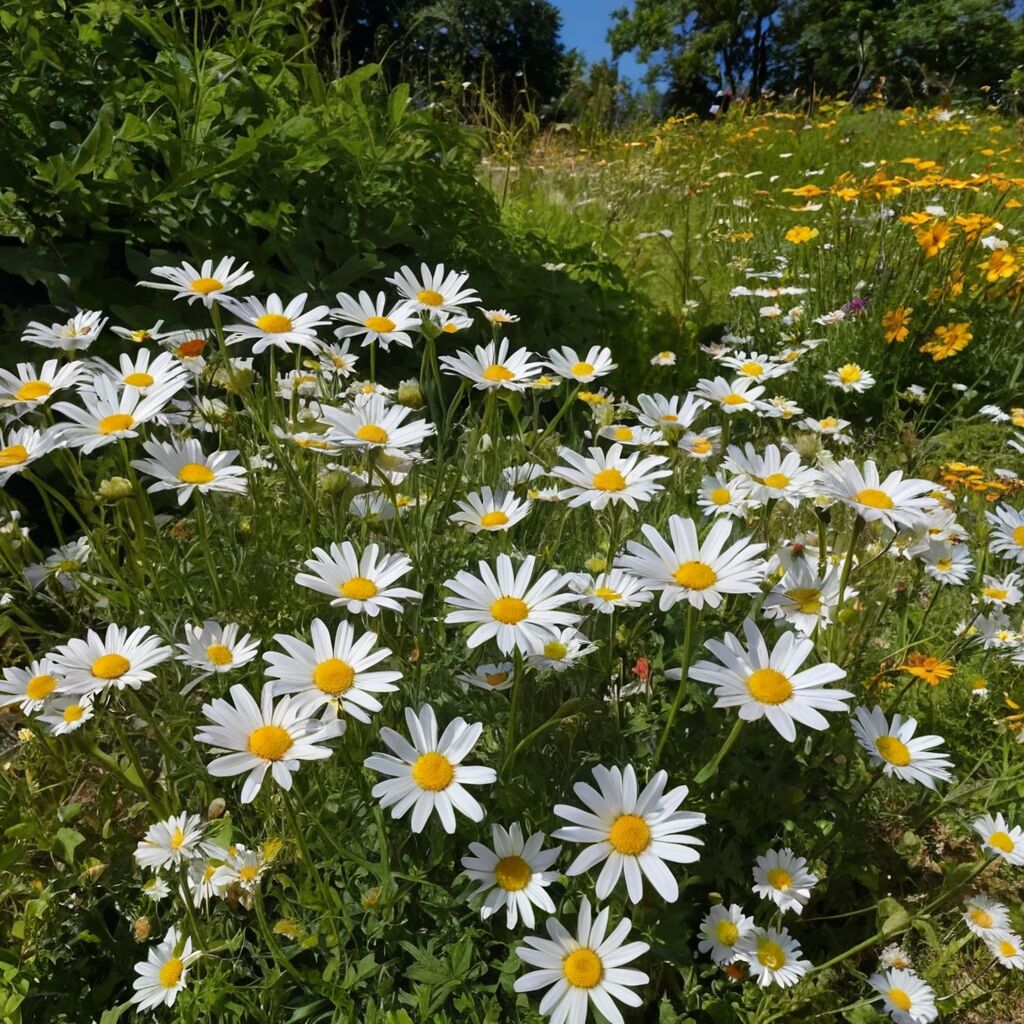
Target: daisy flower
[(514, 872), (215, 649), (895, 747), (610, 590), (765, 684), (490, 512), (275, 324), (75, 335), (584, 969), (850, 378), (494, 677), (783, 878), (374, 322), (719, 496), (172, 842), (337, 360), (905, 997), (506, 604), (701, 573), (644, 437), (1000, 838), (116, 660), (361, 584), (566, 362), (802, 598), (1004, 591), (722, 930), (894, 501), (701, 445), (774, 956), (632, 833), (372, 424), (164, 973), (333, 671), (564, 649), (741, 395), (984, 916), (772, 475), (64, 715), (22, 446), (31, 387), (499, 316), (143, 375), (240, 872), (30, 687), (181, 466), (948, 563), (434, 291), (663, 359), (262, 736), (755, 365), (1007, 948), (492, 366), (894, 956), (659, 411), (209, 283), (610, 477), (1007, 535), (428, 775)]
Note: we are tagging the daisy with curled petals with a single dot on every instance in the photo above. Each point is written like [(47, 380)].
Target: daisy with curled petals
[(701, 573), (894, 747), (632, 833), (164, 972), (588, 968), (562, 650), (76, 335), (172, 842), (183, 467), (30, 687), (701, 445), (721, 496), (337, 360), (644, 437), (1003, 591), (659, 411), (492, 366), (116, 660), (31, 387), (984, 916), (20, 447), (514, 874), (434, 291), (490, 512), (567, 363), (215, 649), (772, 476), (374, 322), (361, 584), (263, 736), (774, 957), (1001, 839), (610, 477), (428, 775), (894, 955), (905, 997), (141, 374), (275, 324), (802, 598), (109, 416), (371, 423), (1007, 535), (508, 605), (948, 563), (741, 395), (489, 677), (64, 715), (722, 931), (209, 283), (1008, 948), (755, 365), (770, 685), (333, 671), (611, 590), (783, 878), (898, 503)]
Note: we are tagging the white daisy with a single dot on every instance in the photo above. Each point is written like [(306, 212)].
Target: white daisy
[(783, 878), (905, 997), (701, 445), (1008, 948), (275, 324), (490, 512), (493, 677), (428, 775), (372, 424), (802, 598), (722, 930), (434, 291), (215, 649), (740, 395), (894, 746), (894, 501), (720, 495), (140, 373), (755, 365), (610, 590), (643, 437), (1007, 536), (172, 842), (610, 477), (1002, 591), (984, 916), (948, 563), (850, 378), (894, 955), (75, 335), (371, 319), (164, 972), (361, 584), (671, 412), (568, 363), (337, 360), (64, 715), (209, 283), (21, 446), (1001, 839), (30, 687), (562, 650), (116, 660), (183, 467), (774, 956), (772, 475), (31, 387), (493, 366)]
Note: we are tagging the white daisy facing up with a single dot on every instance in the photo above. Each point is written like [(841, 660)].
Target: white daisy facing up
[(722, 930), (361, 584), (30, 688), (208, 284), (1007, 535), (774, 957), (63, 715), (486, 511), (894, 747), (182, 466), (371, 320), (492, 366), (116, 660), (896, 502), (999, 838), (562, 650), (905, 997), (21, 446), (772, 475), (803, 599), (494, 677), (275, 324), (1008, 948), (568, 363), (74, 335), (172, 842), (31, 388), (215, 649), (434, 291), (610, 590), (850, 378), (985, 916), (372, 424), (164, 972), (610, 477), (783, 878)]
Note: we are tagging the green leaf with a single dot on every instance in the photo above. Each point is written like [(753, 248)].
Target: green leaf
[(892, 916), (65, 842)]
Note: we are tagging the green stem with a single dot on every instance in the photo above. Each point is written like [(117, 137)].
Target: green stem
[(513, 711), (692, 618), (268, 937), (710, 769)]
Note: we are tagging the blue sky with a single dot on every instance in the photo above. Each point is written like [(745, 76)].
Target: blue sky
[(585, 24)]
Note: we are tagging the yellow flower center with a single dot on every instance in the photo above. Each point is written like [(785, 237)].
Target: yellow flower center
[(583, 968), (607, 594), (944, 564), (170, 973), (195, 473), (509, 610), (116, 422), (495, 678), (806, 599), (771, 955), (512, 873), (248, 873), (1007, 948), (670, 417), (899, 999), (695, 576), (39, 687), (333, 676), (767, 686), (995, 593), (779, 878), (720, 496), (274, 323), (893, 751), (874, 498), (372, 434), (623, 434), (581, 369), (850, 373), (177, 839), (982, 918), (139, 380), (13, 455), (218, 654), (1018, 535), (751, 369), (735, 399), (727, 933), (110, 666), (430, 298), (498, 372), (609, 480), (630, 835), (205, 285), (359, 588), (1001, 841), (495, 518), (777, 481), (73, 712), (701, 446), (828, 423), (380, 324), (555, 650), (450, 328), (270, 742), (433, 772), (31, 390)]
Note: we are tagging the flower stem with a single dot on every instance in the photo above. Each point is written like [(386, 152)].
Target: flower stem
[(692, 618), (711, 768)]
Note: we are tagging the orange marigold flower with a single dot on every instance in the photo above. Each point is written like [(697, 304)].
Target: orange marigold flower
[(933, 238), (1001, 264), (894, 323), (927, 667), (948, 340)]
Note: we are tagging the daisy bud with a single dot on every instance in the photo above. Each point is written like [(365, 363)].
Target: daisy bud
[(371, 899), (335, 483), (596, 564), (114, 489), (245, 526), (807, 445), (181, 531), (238, 381), (141, 929), (409, 394), (26, 735), (218, 805)]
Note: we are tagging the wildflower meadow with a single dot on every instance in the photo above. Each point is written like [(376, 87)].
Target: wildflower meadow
[(423, 649)]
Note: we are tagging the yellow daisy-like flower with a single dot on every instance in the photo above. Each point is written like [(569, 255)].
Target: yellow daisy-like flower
[(801, 234), (948, 340), (927, 667)]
